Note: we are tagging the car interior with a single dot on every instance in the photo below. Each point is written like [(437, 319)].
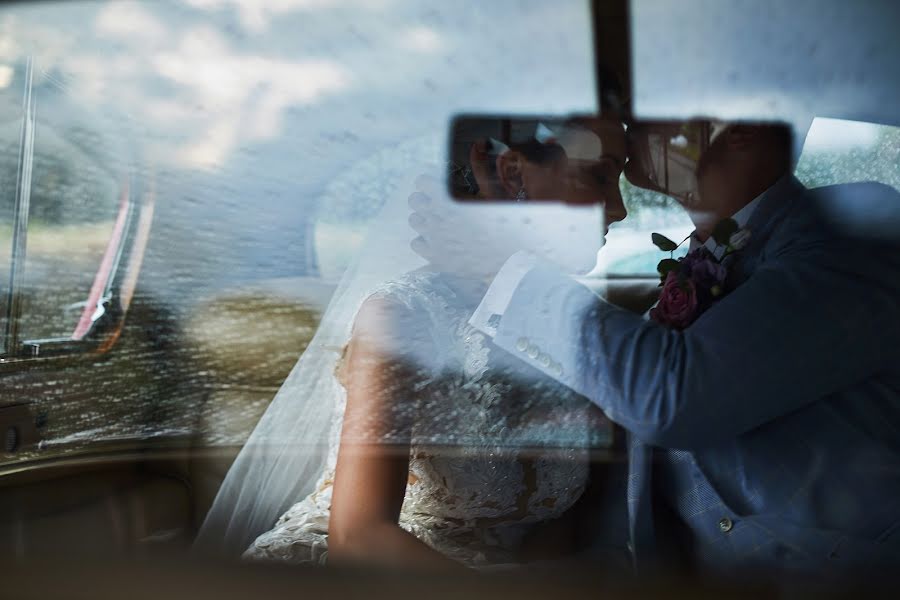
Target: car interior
[(146, 329)]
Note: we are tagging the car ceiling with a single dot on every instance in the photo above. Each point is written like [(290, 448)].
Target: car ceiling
[(766, 59)]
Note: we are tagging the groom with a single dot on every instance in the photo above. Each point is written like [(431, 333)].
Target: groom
[(764, 417)]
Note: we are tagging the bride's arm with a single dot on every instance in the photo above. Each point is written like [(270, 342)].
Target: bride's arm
[(380, 370)]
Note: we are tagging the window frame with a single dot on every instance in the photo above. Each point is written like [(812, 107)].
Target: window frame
[(114, 282)]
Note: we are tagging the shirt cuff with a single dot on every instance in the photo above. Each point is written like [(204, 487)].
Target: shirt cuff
[(487, 316)]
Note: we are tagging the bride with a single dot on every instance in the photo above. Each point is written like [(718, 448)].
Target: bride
[(408, 438)]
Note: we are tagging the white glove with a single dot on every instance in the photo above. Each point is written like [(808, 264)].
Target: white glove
[(462, 238), (473, 239)]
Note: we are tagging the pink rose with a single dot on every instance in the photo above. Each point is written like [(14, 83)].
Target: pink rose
[(678, 306)]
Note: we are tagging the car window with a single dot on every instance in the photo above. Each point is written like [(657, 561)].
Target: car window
[(844, 151), (10, 138), (270, 134), (270, 155), (78, 176)]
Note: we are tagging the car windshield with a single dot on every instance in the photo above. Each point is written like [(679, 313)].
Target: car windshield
[(273, 135), (230, 264)]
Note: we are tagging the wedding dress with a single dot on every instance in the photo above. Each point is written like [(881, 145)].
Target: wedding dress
[(518, 453), (496, 447)]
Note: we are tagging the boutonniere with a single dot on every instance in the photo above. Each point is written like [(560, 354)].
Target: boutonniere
[(693, 283)]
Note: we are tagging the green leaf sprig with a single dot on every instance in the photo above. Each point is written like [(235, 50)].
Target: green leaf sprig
[(721, 234)]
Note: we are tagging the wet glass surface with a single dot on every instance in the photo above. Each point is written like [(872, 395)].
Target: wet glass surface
[(277, 143), (271, 135), (269, 154)]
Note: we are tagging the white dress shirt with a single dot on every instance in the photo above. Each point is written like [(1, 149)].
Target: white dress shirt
[(741, 217)]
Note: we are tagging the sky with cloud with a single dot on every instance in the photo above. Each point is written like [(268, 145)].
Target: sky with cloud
[(210, 77), (249, 114), (246, 112)]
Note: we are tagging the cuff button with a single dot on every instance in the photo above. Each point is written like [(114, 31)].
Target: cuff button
[(726, 524)]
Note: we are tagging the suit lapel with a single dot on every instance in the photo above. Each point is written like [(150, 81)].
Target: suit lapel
[(771, 209), (762, 223)]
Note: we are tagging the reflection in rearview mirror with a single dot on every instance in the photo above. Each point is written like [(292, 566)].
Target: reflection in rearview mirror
[(578, 160), (516, 159)]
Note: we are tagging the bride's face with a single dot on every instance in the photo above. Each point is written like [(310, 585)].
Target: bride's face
[(586, 171)]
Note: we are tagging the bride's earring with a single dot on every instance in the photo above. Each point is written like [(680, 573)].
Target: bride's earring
[(521, 195)]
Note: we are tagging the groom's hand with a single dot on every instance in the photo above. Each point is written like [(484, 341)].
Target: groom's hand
[(426, 220), (454, 238)]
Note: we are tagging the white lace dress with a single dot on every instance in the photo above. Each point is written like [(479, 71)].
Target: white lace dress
[(496, 447)]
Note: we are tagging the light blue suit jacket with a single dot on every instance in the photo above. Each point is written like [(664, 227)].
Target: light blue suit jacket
[(785, 394)]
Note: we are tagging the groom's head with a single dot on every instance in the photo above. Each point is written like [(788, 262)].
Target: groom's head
[(711, 167), (742, 158)]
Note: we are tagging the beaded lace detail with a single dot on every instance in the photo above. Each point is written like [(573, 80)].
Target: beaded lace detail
[(490, 456)]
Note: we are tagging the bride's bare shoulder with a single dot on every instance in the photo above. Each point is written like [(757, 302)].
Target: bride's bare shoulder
[(384, 315), (393, 326), (400, 304), (394, 320), (388, 336)]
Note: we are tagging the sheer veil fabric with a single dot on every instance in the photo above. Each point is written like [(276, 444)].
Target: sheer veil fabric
[(289, 448), (286, 452)]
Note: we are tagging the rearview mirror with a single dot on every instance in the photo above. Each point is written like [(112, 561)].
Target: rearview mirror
[(578, 159), (568, 159)]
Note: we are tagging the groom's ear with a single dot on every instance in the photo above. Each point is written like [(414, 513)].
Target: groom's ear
[(509, 169)]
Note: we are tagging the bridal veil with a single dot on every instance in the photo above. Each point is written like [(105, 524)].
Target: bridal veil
[(287, 451)]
